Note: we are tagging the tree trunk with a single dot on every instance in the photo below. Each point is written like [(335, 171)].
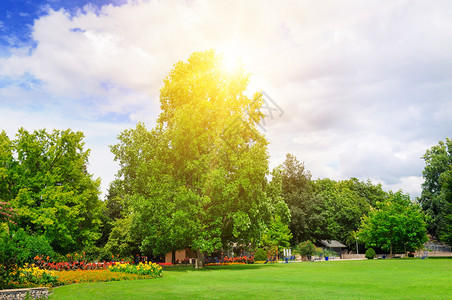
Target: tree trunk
[(200, 257), (173, 256), (390, 252)]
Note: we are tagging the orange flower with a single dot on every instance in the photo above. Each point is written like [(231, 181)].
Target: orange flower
[(79, 276)]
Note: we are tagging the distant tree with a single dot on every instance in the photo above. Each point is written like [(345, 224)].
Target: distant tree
[(436, 197), (112, 209), (371, 193), (307, 211), (344, 208), (44, 178), (396, 224), (278, 234)]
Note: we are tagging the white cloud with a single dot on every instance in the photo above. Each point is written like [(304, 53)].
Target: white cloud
[(364, 86)]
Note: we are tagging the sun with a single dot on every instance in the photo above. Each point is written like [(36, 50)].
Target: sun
[(232, 59)]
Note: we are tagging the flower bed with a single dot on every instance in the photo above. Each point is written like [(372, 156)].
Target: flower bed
[(238, 259), (225, 264), (32, 276), (51, 274), (44, 263), (80, 276), (35, 277), (148, 269)]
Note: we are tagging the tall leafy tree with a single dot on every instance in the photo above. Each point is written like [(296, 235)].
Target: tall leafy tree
[(112, 210), (436, 197), (278, 234), (307, 210), (198, 178), (7, 167), (44, 177), (371, 193), (344, 208), (346, 202), (396, 224)]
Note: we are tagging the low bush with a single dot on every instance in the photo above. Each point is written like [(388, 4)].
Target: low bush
[(19, 248), (260, 255), (370, 253), (319, 251), (307, 248)]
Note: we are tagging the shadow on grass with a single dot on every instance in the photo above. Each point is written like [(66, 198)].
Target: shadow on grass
[(179, 268)]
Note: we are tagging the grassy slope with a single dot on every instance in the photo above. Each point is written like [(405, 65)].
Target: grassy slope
[(402, 278)]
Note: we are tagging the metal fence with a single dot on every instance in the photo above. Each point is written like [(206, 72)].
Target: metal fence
[(438, 247)]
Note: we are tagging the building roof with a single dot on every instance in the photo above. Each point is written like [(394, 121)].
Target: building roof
[(332, 244)]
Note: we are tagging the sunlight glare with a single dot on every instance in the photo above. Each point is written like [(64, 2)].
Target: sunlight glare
[(232, 60)]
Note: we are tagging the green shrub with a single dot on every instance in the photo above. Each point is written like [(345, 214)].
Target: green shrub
[(92, 253), (104, 254), (14, 249), (18, 248), (370, 253), (38, 245), (260, 255), (319, 251), (307, 248), (10, 254)]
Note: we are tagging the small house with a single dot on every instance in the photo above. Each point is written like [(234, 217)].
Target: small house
[(333, 246)]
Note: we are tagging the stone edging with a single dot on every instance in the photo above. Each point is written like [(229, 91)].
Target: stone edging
[(34, 293)]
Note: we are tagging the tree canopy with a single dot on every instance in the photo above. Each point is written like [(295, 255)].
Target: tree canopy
[(396, 224), (346, 202), (44, 178), (436, 197), (307, 210), (198, 178)]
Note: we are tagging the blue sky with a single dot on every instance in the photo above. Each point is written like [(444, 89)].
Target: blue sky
[(363, 86), (17, 16)]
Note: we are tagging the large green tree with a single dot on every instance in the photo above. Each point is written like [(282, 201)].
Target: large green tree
[(395, 224), (198, 178), (44, 177), (436, 197)]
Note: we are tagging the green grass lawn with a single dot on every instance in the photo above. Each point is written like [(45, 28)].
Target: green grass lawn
[(365, 279)]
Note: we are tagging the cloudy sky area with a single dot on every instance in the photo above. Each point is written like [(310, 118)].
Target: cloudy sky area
[(364, 86)]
